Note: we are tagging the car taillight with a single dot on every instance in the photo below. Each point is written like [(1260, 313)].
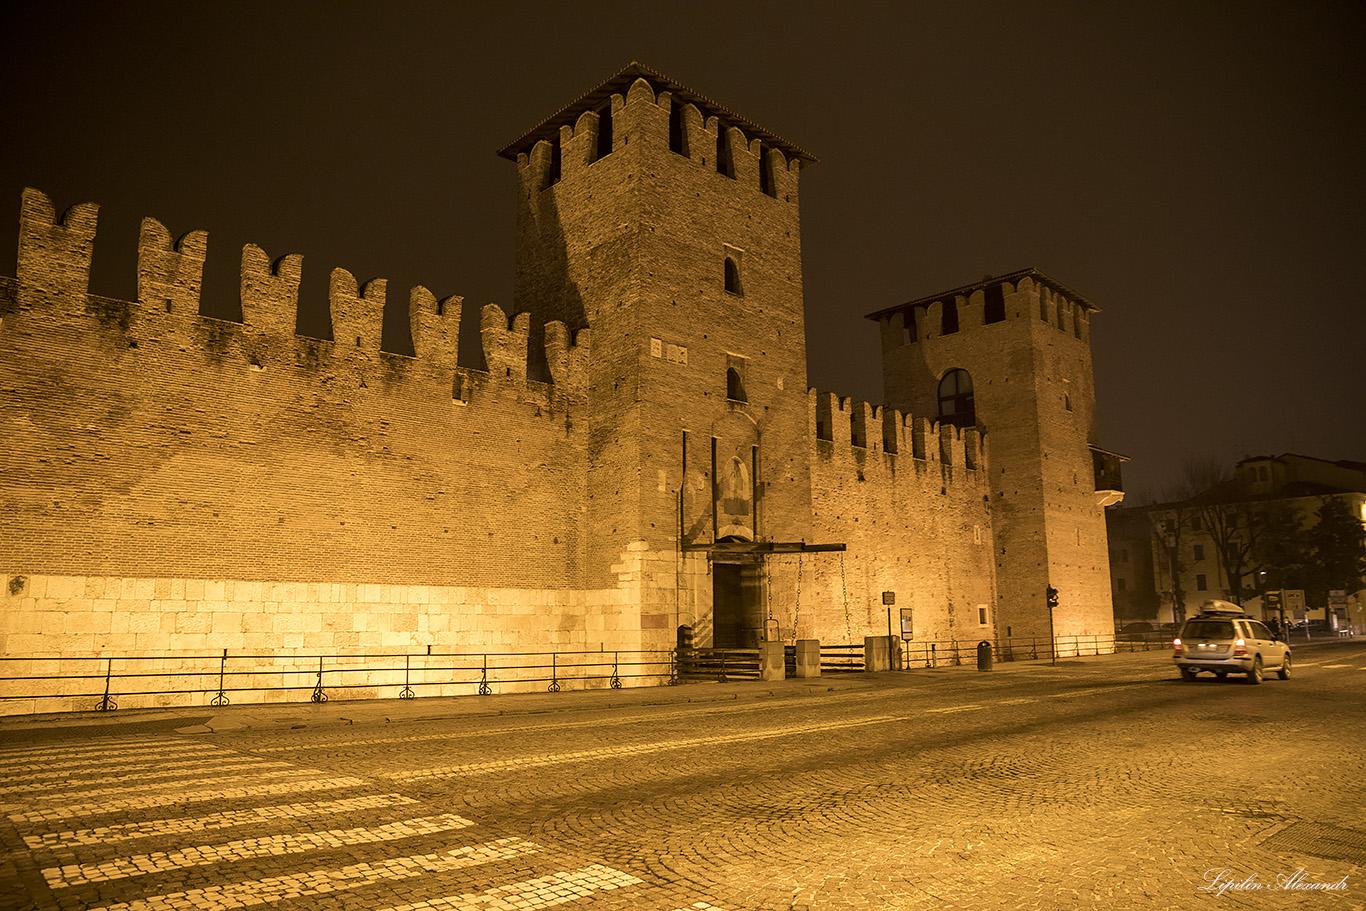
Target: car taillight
[(1176, 645), (1240, 648)]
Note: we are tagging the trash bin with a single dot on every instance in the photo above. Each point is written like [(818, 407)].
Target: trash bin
[(984, 655)]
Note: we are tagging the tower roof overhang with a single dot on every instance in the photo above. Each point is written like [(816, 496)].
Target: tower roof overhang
[(618, 84), (1035, 275)]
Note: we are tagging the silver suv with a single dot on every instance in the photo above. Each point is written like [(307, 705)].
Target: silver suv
[(1227, 642)]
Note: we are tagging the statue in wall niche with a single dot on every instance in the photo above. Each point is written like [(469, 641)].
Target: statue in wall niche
[(734, 501)]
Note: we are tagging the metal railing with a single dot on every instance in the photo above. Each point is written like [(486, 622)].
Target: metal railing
[(842, 659), (957, 652), (99, 683), (719, 664)]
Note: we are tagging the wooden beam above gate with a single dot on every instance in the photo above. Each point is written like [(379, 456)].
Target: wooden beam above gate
[(762, 547)]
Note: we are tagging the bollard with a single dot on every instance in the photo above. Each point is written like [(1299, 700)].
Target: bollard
[(808, 658), (984, 656)]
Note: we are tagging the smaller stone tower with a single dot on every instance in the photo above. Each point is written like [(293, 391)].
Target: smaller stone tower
[(1011, 355)]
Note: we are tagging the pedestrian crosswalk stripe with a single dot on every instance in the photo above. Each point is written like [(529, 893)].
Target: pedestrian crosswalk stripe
[(38, 771), (189, 781), (317, 882), (1327, 666), (47, 814), (180, 826), (543, 892), (161, 861), (162, 771), (130, 749)]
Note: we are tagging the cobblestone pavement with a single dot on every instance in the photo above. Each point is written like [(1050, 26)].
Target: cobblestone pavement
[(1098, 783)]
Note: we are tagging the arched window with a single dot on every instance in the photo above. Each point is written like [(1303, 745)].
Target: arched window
[(735, 387), (732, 276), (955, 399)]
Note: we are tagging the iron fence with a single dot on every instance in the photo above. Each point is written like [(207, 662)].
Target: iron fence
[(842, 659), (719, 664), (37, 684), (956, 652)]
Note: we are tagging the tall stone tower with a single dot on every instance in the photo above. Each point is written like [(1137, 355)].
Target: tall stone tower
[(1012, 356), (668, 226)]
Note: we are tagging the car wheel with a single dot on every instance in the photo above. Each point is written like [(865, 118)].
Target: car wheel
[(1254, 676), (1188, 673), (1284, 672)]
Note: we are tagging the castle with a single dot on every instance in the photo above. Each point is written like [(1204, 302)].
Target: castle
[(178, 484)]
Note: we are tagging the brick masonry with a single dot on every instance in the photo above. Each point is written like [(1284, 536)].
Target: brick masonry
[(175, 483)]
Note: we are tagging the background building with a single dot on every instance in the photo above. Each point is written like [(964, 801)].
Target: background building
[(1254, 531)]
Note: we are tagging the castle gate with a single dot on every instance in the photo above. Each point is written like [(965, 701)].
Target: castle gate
[(737, 601)]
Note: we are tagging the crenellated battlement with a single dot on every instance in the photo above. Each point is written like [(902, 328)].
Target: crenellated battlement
[(1024, 295), (53, 282), (639, 105), (850, 426)]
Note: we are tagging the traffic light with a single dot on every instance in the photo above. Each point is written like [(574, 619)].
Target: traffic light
[(1052, 596)]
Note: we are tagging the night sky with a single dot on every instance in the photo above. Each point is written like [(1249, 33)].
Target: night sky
[(1196, 169)]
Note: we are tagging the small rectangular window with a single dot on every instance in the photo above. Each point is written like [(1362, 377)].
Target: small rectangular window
[(1199, 552), (1121, 584), (1201, 585), (981, 615)]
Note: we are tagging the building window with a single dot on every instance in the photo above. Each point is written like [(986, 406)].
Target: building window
[(1122, 584), (735, 386), (1199, 552), (1201, 584), (981, 615), (1195, 523), (955, 399), (732, 276)]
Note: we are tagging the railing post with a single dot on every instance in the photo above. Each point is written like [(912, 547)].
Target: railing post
[(484, 688), (615, 682), (222, 697), (407, 691), (554, 674), (318, 694), (107, 704)]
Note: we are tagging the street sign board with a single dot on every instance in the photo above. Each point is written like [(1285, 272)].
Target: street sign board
[(1294, 601), (1271, 600)]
